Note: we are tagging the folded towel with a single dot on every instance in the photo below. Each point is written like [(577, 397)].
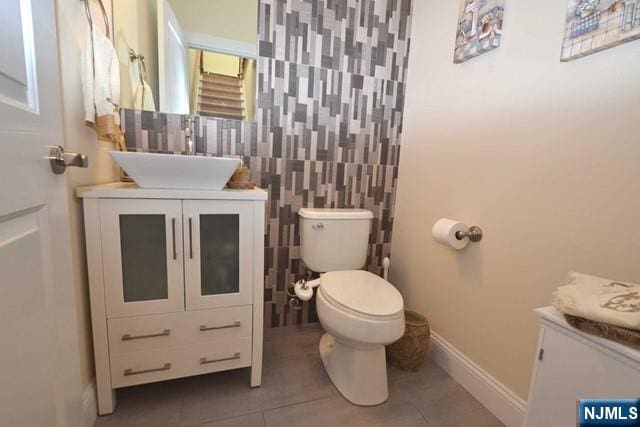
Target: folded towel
[(601, 300), (101, 84)]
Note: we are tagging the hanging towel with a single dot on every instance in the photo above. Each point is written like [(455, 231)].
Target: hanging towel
[(601, 300), (143, 97), (101, 85)]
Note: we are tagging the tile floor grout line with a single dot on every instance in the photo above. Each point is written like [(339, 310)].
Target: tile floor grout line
[(419, 412), (215, 420), (299, 403), (182, 399), (218, 420)]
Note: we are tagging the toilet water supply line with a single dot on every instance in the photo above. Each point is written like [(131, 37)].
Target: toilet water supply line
[(386, 262), (304, 289)]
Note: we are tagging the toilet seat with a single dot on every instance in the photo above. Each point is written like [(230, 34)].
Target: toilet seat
[(362, 294)]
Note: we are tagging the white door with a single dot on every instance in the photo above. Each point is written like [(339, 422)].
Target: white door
[(39, 362), (218, 253), (142, 253), (173, 74)]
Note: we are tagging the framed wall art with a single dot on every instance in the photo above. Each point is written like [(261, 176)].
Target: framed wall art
[(595, 25), (479, 28)]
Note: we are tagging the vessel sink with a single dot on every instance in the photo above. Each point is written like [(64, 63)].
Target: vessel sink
[(151, 170)]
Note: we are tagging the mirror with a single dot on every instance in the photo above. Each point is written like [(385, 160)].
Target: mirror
[(188, 56)]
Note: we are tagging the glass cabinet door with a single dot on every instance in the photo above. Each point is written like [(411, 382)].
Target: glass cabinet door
[(218, 253), (142, 252)]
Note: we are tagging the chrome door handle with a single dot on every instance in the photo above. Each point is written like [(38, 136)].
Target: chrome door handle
[(129, 337), (59, 160), (130, 371), (204, 360), (235, 324)]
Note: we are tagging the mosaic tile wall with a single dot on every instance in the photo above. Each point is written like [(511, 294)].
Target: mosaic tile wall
[(331, 86)]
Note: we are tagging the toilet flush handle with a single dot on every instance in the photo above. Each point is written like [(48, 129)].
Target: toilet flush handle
[(318, 226)]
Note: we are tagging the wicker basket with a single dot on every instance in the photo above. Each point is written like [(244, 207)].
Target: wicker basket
[(241, 179), (408, 352)]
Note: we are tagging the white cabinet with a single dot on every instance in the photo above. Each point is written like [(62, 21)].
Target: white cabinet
[(176, 283), (573, 365)]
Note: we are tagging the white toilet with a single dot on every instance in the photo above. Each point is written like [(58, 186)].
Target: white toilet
[(360, 311)]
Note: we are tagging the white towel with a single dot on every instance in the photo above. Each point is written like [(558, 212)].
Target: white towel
[(143, 97), (101, 84), (601, 300)]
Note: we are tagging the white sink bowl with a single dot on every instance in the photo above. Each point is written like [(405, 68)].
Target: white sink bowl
[(151, 170)]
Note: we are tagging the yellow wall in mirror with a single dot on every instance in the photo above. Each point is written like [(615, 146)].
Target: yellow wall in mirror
[(249, 83), (219, 63), (235, 20)]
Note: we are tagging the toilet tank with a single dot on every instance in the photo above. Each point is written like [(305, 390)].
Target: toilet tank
[(334, 239)]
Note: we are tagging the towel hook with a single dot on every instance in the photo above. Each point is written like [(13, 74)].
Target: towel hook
[(87, 10)]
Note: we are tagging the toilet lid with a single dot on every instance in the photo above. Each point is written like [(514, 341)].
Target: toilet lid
[(362, 291)]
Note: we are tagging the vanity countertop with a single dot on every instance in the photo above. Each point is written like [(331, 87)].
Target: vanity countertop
[(126, 190)]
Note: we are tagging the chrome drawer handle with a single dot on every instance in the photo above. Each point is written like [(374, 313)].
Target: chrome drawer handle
[(204, 361), (129, 337), (128, 372), (235, 324)]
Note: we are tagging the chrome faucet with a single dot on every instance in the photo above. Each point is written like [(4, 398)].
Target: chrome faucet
[(190, 146)]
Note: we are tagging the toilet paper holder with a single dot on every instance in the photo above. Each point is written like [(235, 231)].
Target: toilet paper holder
[(474, 234)]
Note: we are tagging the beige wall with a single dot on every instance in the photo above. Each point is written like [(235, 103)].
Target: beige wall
[(79, 138), (543, 155), (235, 20), (136, 27)]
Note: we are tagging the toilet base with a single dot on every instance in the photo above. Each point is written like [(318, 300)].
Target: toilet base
[(358, 372)]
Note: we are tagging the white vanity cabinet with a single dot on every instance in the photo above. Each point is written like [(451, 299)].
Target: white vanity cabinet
[(176, 283), (572, 365)]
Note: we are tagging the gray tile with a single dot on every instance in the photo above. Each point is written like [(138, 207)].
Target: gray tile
[(429, 384), (157, 404), (352, 54), (336, 411), (456, 402), (252, 420), (479, 417), (285, 381)]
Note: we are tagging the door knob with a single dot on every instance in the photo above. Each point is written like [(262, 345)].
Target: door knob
[(59, 160)]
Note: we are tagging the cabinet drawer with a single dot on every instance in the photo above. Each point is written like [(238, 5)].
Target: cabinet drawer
[(218, 356), (158, 365), (201, 326), (140, 333), (145, 366), (161, 331)]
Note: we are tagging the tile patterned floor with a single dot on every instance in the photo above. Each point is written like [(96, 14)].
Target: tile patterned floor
[(296, 391)]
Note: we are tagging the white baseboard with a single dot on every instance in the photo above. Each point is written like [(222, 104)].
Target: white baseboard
[(89, 405), (495, 396)]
